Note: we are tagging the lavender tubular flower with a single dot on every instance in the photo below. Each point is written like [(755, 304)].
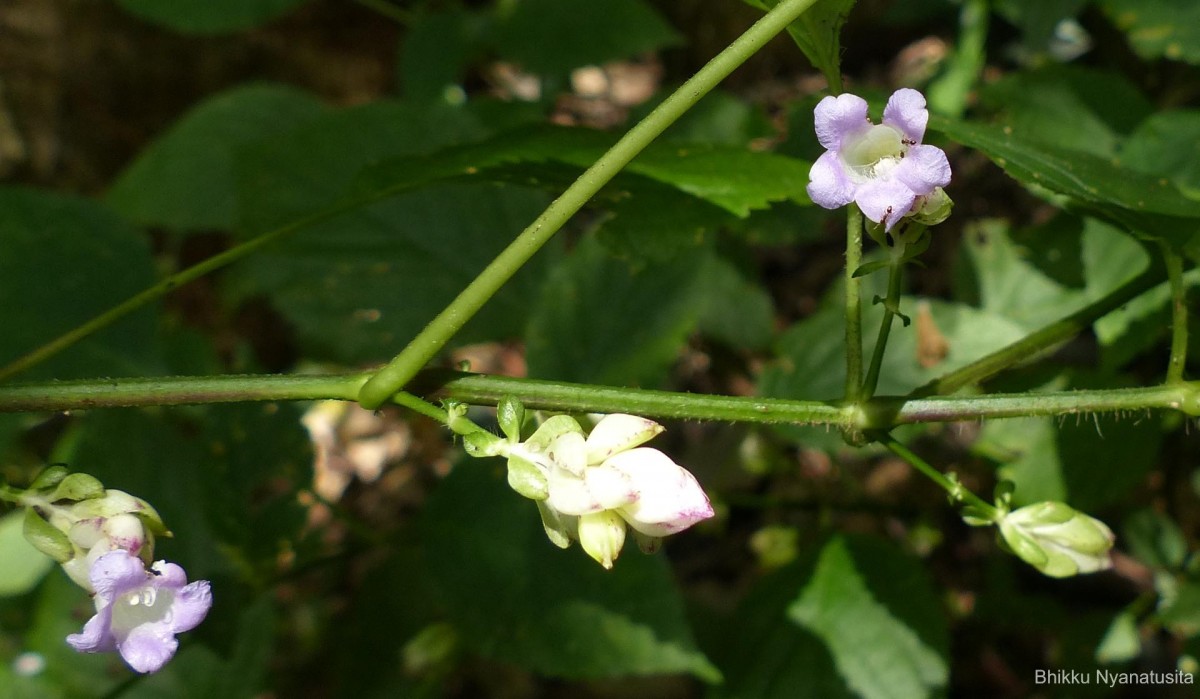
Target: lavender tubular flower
[(139, 612), (883, 168)]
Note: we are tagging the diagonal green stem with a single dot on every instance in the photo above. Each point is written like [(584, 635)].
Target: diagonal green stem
[(953, 488), (854, 359), (177, 280), (1179, 315), (1031, 345), (430, 341), (891, 308)]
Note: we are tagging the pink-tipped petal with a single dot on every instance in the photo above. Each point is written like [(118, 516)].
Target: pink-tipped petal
[(828, 185), (906, 111), (885, 201), (669, 497), (837, 117), (923, 169)]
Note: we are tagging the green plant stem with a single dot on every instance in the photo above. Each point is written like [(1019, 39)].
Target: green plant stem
[(854, 359), (1179, 315), (955, 489), (880, 413), (1030, 346), (430, 341), (387, 9), (175, 281), (891, 308)]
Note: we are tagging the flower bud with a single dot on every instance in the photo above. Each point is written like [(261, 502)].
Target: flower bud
[(602, 534), (1057, 540), (933, 208)]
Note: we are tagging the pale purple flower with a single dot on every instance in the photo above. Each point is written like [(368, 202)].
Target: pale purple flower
[(883, 168), (138, 612)]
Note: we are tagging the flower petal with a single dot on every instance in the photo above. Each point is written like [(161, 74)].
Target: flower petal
[(669, 498), (569, 451), (906, 111), (191, 606), (115, 573), (885, 201), (923, 169), (148, 647), (618, 432), (610, 487), (96, 636), (828, 185), (168, 575), (569, 494), (837, 117)]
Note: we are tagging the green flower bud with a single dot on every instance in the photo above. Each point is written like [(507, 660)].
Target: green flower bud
[(602, 535), (933, 208), (1057, 540)]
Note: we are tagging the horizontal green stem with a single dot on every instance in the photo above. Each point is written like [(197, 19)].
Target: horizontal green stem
[(1032, 345), (880, 413), (405, 365)]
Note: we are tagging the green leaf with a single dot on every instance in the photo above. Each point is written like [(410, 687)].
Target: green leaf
[(437, 50), (600, 320), (818, 33), (1159, 28), (184, 180), (21, 565), (765, 655), (1084, 182), (554, 612), (811, 355), (309, 167), (1069, 107), (856, 618), (1181, 612), (65, 261), (209, 16), (737, 310), (1089, 462), (1122, 642), (1038, 20), (1154, 539), (550, 37), (357, 288), (1168, 144)]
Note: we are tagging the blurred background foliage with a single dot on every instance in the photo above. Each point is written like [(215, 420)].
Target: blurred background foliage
[(351, 554)]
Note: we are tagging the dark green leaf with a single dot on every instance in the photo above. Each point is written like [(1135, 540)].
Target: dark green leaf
[(66, 260), (1069, 107), (818, 33), (1168, 145), (1181, 613), (1159, 28), (737, 310), (185, 179), (599, 320), (357, 288), (1154, 539), (551, 37), (875, 610), (1038, 20), (554, 612), (209, 16), (1084, 182), (437, 50)]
